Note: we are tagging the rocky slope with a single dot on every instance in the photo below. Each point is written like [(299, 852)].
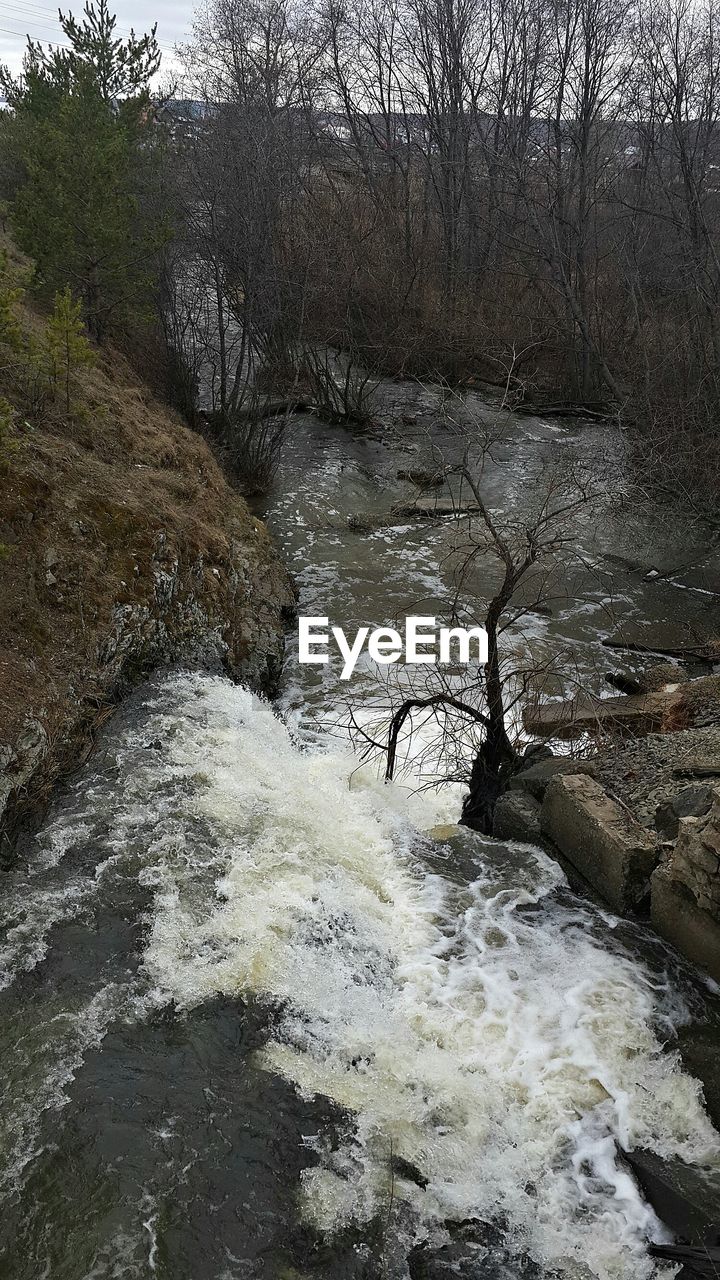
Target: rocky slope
[(124, 548)]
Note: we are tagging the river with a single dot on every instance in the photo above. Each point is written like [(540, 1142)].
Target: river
[(254, 1023)]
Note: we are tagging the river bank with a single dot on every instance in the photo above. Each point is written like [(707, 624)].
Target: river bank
[(125, 549)]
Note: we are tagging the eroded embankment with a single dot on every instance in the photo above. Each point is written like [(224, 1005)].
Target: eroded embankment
[(125, 548)]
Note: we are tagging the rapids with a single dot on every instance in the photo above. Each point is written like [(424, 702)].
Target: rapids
[(254, 1023)]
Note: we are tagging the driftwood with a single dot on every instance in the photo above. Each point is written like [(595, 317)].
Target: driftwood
[(698, 771), (598, 414), (265, 409), (668, 639), (426, 508), (705, 651)]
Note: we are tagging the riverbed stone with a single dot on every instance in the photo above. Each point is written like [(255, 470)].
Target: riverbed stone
[(685, 1198), (612, 851), (517, 817)]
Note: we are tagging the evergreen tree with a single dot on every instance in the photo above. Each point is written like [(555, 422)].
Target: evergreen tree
[(10, 331), (77, 138), (67, 345)]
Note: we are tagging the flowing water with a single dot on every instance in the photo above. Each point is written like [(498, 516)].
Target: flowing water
[(254, 1023)]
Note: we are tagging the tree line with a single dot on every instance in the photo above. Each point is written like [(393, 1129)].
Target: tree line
[(520, 192)]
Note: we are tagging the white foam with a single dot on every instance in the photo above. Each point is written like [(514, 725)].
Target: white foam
[(506, 1053)]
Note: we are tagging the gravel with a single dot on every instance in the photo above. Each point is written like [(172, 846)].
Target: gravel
[(642, 773)]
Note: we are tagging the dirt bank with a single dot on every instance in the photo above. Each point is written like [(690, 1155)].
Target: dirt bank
[(124, 548)]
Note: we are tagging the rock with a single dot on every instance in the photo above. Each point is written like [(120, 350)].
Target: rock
[(146, 556), (698, 1046), (695, 860), (536, 751), (660, 675), (643, 772), (696, 702), (624, 684), (677, 918), (537, 776), (685, 1198), (409, 1172), (697, 1262), (691, 802), (613, 852), (572, 717), (517, 817)]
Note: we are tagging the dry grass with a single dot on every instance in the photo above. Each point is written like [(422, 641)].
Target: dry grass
[(93, 511)]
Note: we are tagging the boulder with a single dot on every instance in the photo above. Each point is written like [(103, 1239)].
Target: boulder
[(695, 860), (694, 703), (659, 675), (677, 918), (570, 718), (535, 752), (536, 777), (612, 851), (517, 817), (685, 1198), (691, 802)]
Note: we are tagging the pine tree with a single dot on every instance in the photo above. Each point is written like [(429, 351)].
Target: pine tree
[(79, 119), (67, 345), (10, 331)]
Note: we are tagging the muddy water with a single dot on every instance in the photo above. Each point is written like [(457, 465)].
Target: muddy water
[(254, 1025), (622, 561)]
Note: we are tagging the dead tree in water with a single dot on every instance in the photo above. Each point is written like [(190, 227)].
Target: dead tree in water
[(528, 553)]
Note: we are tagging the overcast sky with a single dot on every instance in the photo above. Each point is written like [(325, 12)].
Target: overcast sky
[(38, 18)]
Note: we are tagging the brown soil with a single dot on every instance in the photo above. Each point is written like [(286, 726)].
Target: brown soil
[(125, 547)]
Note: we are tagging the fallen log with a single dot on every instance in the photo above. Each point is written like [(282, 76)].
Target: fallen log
[(564, 411), (704, 651), (426, 508), (266, 409), (698, 771), (670, 640)]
